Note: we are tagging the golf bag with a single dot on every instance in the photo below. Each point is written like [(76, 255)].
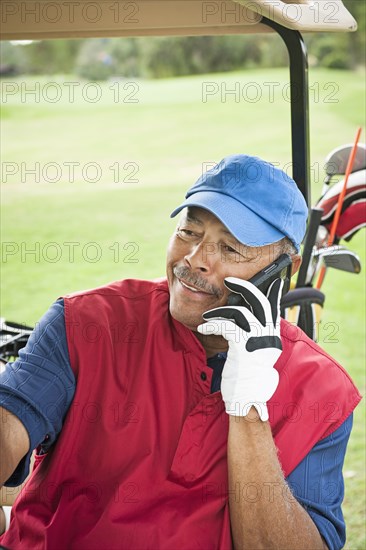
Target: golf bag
[(353, 213)]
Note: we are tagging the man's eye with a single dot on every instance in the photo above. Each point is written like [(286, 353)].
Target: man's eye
[(185, 233), (230, 249)]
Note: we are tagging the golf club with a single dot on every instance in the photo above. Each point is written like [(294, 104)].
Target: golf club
[(336, 161), (336, 257)]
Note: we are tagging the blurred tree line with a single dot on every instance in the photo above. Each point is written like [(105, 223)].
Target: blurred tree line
[(157, 57)]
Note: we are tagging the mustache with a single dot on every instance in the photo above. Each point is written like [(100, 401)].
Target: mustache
[(184, 273)]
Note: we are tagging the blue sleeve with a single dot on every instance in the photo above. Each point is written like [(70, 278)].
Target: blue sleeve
[(39, 386), (317, 483)]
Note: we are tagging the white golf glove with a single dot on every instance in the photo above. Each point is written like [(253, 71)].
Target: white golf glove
[(249, 377)]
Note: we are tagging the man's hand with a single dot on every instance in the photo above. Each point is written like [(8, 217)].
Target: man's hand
[(248, 378)]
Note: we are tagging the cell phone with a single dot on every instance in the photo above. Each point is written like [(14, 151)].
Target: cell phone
[(280, 268)]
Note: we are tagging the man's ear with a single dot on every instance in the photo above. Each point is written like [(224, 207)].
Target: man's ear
[(296, 262)]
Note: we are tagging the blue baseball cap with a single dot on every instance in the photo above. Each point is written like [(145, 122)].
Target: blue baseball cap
[(258, 203)]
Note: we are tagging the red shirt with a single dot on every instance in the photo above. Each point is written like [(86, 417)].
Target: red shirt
[(141, 460)]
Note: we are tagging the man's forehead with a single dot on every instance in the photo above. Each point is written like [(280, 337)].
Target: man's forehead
[(200, 215)]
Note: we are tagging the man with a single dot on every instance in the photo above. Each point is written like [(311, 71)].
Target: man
[(118, 390)]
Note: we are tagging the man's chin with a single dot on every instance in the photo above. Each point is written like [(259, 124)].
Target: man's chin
[(186, 320)]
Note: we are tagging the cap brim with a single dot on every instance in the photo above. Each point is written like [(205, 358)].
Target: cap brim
[(246, 226)]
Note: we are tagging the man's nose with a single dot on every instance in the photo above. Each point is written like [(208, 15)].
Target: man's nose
[(202, 256)]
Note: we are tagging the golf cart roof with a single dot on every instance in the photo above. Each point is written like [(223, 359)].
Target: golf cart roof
[(59, 19)]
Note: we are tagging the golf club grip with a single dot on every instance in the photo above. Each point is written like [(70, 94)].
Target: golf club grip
[(314, 222)]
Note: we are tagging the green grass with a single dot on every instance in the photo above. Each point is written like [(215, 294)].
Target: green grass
[(164, 139)]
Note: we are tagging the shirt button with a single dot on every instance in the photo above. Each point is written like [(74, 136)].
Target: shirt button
[(203, 376)]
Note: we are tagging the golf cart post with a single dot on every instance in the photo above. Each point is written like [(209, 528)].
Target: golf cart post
[(103, 18)]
